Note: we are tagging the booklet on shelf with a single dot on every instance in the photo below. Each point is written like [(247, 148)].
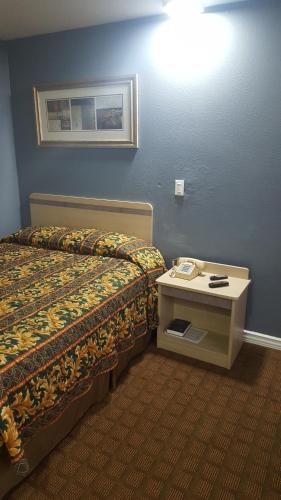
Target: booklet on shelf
[(179, 327), (195, 335)]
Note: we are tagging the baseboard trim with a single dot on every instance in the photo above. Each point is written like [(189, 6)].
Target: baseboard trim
[(262, 339)]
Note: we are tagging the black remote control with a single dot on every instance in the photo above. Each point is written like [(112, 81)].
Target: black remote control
[(217, 277), (218, 284)]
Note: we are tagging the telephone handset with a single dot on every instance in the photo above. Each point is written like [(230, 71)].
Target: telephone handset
[(187, 268)]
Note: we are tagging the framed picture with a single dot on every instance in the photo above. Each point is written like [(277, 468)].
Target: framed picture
[(101, 114)]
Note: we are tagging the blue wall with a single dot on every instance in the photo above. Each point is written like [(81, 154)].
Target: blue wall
[(9, 195), (216, 124)]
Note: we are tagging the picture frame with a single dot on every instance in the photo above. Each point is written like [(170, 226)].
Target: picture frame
[(96, 114)]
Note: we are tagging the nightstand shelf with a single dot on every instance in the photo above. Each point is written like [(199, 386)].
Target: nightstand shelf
[(220, 311), (213, 348)]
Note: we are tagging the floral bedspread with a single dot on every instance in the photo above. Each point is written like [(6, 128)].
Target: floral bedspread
[(70, 300)]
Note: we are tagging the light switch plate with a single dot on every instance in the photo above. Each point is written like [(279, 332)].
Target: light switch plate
[(179, 187)]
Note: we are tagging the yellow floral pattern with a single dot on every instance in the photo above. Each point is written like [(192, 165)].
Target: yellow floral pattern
[(70, 300)]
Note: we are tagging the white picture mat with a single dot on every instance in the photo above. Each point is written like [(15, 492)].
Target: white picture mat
[(87, 135)]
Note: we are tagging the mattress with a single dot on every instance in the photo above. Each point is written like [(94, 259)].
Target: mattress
[(72, 301)]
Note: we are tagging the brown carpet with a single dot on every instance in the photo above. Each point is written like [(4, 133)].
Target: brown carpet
[(175, 429)]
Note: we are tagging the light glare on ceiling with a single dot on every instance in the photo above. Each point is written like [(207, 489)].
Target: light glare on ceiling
[(191, 50), (182, 8)]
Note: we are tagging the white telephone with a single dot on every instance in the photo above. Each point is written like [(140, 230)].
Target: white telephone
[(187, 268)]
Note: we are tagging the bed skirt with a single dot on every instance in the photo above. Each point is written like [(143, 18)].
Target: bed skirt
[(44, 442), (124, 358)]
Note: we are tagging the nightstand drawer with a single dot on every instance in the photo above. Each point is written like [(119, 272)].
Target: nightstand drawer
[(196, 297)]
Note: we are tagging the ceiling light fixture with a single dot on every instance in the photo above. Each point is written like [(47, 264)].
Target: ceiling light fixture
[(182, 8)]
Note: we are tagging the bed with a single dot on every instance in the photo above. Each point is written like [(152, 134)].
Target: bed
[(76, 305)]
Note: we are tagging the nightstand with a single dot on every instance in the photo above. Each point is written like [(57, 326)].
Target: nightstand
[(219, 311)]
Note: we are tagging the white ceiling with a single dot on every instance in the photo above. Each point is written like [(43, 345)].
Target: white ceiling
[(21, 18)]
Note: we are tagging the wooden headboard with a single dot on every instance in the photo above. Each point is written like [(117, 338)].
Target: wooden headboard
[(134, 218)]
